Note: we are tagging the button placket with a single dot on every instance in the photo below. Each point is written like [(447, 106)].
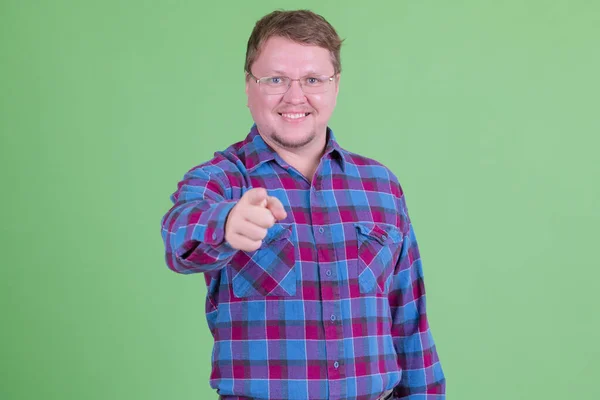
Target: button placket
[(327, 259)]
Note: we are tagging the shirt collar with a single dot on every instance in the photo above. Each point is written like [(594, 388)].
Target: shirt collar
[(257, 151)]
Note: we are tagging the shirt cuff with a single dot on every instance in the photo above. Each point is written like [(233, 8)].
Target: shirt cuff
[(216, 217)]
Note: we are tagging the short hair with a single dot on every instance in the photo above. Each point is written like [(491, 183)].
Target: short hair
[(301, 26)]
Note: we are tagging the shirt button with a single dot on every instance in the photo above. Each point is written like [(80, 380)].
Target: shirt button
[(333, 317), (321, 230), (214, 236), (328, 273), (336, 365)]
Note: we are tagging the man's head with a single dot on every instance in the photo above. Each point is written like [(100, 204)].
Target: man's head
[(304, 47)]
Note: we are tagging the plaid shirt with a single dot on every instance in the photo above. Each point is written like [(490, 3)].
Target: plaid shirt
[(332, 306)]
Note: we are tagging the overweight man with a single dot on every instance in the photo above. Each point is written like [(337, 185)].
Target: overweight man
[(314, 279)]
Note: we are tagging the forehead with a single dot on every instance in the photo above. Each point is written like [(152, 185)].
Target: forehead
[(279, 54)]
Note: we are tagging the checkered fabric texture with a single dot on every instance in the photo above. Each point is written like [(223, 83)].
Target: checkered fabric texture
[(332, 306)]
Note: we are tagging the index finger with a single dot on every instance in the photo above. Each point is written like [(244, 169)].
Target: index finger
[(276, 207)]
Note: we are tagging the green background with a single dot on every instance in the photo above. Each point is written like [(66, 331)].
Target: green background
[(486, 110)]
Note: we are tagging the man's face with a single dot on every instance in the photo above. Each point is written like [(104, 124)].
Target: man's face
[(274, 114)]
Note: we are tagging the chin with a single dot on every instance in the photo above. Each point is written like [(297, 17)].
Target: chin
[(293, 141)]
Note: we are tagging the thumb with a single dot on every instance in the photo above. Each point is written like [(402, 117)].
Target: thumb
[(256, 197)]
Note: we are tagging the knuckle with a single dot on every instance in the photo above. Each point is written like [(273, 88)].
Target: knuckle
[(263, 234)]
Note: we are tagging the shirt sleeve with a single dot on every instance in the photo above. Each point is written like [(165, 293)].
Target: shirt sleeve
[(193, 230), (422, 375)]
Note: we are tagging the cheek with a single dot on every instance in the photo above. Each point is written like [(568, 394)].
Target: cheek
[(263, 104), (323, 105)]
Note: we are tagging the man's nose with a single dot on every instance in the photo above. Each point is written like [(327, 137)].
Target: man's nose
[(294, 94)]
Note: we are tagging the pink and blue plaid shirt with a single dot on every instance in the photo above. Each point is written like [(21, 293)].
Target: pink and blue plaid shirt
[(332, 306)]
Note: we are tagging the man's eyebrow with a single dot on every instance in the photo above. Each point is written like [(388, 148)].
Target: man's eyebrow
[(312, 73), (277, 72), (307, 73)]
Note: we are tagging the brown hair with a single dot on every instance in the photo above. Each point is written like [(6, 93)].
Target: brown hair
[(301, 26)]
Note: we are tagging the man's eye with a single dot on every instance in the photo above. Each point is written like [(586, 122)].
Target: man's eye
[(276, 80), (312, 81)]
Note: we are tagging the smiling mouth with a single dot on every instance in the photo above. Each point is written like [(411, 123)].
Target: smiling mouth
[(294, 115)]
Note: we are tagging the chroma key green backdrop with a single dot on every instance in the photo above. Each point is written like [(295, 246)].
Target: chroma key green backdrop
[(486, 110)]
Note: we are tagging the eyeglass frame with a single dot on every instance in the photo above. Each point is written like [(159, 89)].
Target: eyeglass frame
[(257, 80)]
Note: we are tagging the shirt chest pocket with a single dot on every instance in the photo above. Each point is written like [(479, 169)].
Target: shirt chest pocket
[(268, 271), (379, 247)]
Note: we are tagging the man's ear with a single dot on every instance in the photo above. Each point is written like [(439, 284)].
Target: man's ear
[(247, 88), (337, 86)]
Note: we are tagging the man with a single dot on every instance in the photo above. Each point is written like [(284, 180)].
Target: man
[(314, 280)]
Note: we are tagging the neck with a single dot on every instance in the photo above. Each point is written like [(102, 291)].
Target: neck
[(305, 159), (305, 164)]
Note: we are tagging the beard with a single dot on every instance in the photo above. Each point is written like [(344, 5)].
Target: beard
[(292, 144)]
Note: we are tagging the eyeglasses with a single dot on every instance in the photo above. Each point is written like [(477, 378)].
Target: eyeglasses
[(280, 84)]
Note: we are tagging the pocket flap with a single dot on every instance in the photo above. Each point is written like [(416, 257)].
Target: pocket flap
[(278, 232), (383, 233)]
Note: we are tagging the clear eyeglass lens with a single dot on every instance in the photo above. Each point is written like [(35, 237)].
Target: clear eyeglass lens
[(280, 85)]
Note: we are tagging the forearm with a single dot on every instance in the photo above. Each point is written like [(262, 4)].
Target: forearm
[(422, 375), (427, 396), (194, 236)]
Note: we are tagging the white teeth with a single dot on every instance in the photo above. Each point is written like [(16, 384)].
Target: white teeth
[(294, 116)]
